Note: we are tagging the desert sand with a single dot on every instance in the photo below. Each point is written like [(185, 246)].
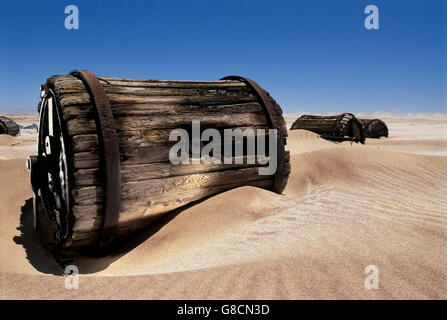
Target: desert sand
[(346, 206)]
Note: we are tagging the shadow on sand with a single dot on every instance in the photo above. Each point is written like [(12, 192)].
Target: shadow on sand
[(37, 255), (44, 258)]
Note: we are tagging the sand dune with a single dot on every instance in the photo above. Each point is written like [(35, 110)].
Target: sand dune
[(8, 141), (17, 147), (345, 207)]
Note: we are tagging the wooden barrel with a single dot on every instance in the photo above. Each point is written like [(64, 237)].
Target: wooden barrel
[(103, 171), (340, 127), (375, 128), (8, 126)]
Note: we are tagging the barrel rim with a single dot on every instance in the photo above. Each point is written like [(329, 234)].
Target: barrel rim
[(110, 154), (281, 176), (62, 238)]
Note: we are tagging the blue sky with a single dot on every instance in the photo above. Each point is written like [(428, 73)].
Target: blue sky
[(310, 55)]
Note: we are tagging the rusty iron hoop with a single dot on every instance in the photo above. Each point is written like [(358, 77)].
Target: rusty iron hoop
[(270, 113), (108, 139)]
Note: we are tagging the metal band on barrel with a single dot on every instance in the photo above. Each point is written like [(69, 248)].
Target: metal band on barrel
[(270, 112), (108, 139)]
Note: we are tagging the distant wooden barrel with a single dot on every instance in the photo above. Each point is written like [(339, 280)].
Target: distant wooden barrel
[(375, 128), (8, 126), (74, 167), (340, 127)]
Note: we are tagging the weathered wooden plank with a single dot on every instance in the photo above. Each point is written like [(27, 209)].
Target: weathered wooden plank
[(139, 172), (77, 126), (134, 149), (143, 190), (145, 137), (317, 124), (84, 99), (84, 160), (67, 81), (76, 88), (119, 110)]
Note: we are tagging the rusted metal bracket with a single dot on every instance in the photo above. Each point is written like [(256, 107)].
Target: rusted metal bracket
[(108, 139), (270, 112)]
